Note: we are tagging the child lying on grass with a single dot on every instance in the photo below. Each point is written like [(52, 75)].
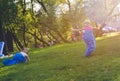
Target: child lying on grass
[(19, 57)]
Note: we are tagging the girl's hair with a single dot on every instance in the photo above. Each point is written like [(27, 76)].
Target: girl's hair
[(25, 48), (87, 21)]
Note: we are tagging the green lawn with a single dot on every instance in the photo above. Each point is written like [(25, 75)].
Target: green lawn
[(66, 62)]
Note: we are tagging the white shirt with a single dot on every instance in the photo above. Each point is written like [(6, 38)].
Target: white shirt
[(24, 54)]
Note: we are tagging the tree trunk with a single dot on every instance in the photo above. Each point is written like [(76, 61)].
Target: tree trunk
[(1, 31), (63, 39), (2, 38), (43, 6), (24, 26), (40, 39), (9, 40), (35, 40), (56, 39), (16, 40)]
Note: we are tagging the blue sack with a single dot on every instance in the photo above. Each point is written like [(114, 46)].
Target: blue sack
[(1, 49), (17, 58)]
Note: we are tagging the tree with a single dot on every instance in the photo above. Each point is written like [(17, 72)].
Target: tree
[(100, 11), (8, 11)]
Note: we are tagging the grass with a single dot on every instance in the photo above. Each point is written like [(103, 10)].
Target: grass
[(66, 62)]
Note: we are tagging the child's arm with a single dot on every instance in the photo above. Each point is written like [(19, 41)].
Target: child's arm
[(28, 58)]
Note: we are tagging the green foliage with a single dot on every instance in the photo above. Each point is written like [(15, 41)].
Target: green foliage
[(54, 2), (66, 62), (21, 18), (8, 10)]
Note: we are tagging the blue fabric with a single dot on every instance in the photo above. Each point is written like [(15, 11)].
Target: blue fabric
[(90, 42), (8, 62), (17, 58), (1, 48), (1, 55)]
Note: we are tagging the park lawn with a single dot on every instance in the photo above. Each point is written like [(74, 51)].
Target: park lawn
[(66, 62)]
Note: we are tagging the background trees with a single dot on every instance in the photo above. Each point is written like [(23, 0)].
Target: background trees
[(8, 12), (103, 12), (40, 23)]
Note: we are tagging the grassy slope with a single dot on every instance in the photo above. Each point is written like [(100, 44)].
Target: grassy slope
[(66, 62)]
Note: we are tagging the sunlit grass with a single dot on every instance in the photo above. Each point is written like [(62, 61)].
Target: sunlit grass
[(108, 35), (66, 62)]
